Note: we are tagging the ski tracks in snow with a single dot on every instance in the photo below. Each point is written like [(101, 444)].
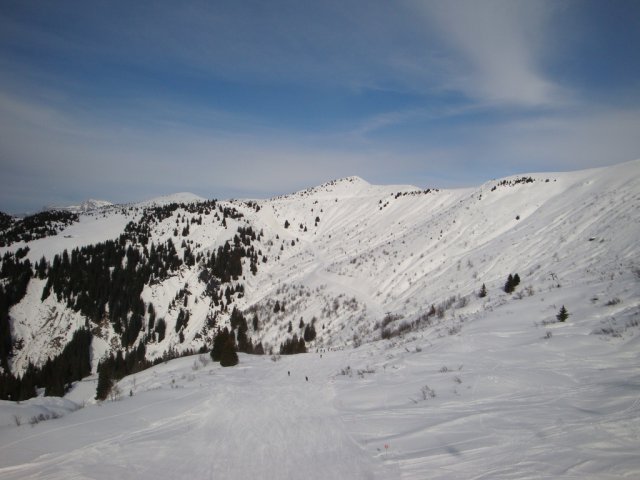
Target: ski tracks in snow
[(251, 421)]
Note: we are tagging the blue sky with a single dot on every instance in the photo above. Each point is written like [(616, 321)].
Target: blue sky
[(124, 101)]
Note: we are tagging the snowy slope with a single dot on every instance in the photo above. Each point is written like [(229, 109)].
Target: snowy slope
[(491, 387), (496, 400), (375, 250), (182, 197)]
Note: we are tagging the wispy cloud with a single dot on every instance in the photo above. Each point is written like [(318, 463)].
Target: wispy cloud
[(52, 155), (128, 100), (497, 48)]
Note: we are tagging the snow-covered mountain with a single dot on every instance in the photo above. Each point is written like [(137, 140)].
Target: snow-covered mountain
[(348, 256), (413, 373), (86, 206), (182, 197)]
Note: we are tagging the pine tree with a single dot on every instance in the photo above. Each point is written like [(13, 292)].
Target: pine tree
[(161, 328), (509, 286), (483, 291), (218, 344), (229, 357), (562, 314), (309, 333), (105, 382)]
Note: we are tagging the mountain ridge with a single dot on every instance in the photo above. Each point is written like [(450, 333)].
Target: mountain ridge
[(347, 254)]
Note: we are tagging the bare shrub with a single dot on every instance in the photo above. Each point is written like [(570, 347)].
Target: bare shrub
[(462, 302), (361, 372), (388, 318), (607, 330), (115, 393), (454, 329), (426, 392), (204, 359)]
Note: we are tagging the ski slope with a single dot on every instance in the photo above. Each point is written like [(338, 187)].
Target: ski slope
[(507, 402), (252, 421), (488, 388)]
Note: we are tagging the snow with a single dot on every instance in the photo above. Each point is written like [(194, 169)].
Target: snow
[(508, 403), (182, 197), (252, 421), (86, 206), (91, 228), (379, 249), (515, 393)]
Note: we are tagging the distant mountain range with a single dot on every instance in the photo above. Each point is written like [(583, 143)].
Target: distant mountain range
[(86, 206)]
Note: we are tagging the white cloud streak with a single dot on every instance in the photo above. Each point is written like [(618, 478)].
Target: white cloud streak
[(497, 47), (56, 154), (509, 114)]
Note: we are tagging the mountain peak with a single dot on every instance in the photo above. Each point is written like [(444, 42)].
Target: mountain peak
[(180, 197)]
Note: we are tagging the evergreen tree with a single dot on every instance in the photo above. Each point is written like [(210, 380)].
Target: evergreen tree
[(229, 357), (161, 328), (293, 345), (28, 383), (309, 333), (152, 316), (483, 291), (237, 318), (244, 342), (105, 382), (5, 332), (562, 314), (509, 285), (218, 343)]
